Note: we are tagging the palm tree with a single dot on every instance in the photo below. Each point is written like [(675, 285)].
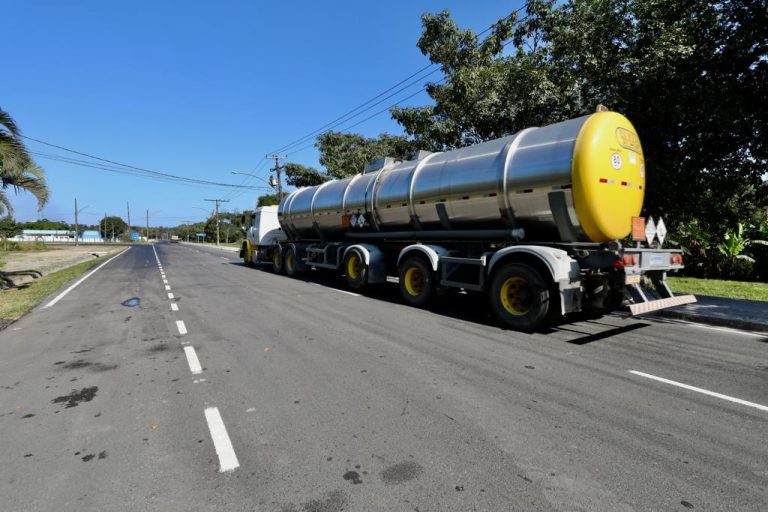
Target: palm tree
[(17, 169)]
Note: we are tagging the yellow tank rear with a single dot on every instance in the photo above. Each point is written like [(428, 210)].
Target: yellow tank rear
[(608, 176)]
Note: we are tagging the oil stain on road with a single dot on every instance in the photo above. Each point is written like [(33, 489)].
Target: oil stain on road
[(76, 397)]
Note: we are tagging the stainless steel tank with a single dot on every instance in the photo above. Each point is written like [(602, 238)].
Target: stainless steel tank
[(579, 180)]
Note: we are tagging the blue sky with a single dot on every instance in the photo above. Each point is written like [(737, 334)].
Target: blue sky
[(199, 89)]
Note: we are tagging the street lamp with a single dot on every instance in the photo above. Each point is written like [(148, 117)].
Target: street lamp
[(271, 182)]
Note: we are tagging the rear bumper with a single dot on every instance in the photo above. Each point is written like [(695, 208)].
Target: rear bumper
[(654, 305)]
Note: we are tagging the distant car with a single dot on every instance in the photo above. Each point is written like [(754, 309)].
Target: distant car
[(175, 239)]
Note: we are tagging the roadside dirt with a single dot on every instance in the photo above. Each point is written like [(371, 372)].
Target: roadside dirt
[(49, 261)]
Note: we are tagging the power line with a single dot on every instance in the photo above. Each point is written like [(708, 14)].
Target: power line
[(374, 114), (348, 116), (424, 88), (343, 118), (121, 167)]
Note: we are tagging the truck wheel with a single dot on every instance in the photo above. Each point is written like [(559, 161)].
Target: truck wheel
[(519, 297), (291, 263), (247, 256), (355, 271), (277, 260), (417, 282)]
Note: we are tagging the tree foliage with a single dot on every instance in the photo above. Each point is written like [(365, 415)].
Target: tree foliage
[(298, 175), (268, 200), (229, 227), (8, 227), (345, 154), (17, 169), (44, 224), (692, 77), (112, 226)]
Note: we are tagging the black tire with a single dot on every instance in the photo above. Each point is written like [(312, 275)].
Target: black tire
[(355, 270), (417, 281), (519, 297), (248, 260), (291, 262), (277, 260)]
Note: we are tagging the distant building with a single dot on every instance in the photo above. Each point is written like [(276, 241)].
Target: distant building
[(56, 236), (90, 237)]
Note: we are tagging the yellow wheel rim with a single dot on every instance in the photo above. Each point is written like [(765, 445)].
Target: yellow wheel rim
[(516, 296), (354, 267), (414, 281), (289, 261), (276, 258)]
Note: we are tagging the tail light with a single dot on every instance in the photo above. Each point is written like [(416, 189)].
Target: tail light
[(677, 259), (618, 264), (629, 260)]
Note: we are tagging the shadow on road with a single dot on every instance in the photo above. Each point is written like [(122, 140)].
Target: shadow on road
[(469, 307)]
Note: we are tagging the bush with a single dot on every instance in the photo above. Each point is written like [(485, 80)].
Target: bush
[(25, 246)]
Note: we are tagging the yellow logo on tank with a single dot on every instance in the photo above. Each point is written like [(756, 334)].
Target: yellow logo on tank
[(628, 139)]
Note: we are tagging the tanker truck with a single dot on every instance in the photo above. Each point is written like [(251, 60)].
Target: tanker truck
[(539, 221)]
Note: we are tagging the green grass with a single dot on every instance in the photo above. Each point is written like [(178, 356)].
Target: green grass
[(24, 246), (719, 288), (16, 302)]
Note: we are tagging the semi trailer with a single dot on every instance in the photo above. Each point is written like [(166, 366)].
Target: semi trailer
[(540, 221)]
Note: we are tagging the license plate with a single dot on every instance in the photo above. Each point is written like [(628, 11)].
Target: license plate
[(632, 279), (658, 259)]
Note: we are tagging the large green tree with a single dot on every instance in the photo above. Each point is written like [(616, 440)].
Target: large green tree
[(17, 169), (345, 154), (297, 175), (692, 76), (113, 226)]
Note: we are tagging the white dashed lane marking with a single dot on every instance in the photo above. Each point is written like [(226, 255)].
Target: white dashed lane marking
[(227, 458), (194, 362), (174, 306), (181, 327), (170, 296)]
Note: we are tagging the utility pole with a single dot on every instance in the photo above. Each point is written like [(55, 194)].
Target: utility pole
[(218, 201), (76, 226), (147, 226), (277, 159), (105, 227), (128, 205)]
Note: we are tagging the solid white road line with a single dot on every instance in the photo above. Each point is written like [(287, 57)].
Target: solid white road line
[(86, 276), (700, 390), (336, 290), (680, 321), (181, 327), (170, 296), (174, 306), (194, 362), (227, 458)]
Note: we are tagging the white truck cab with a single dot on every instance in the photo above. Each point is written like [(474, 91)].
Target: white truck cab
[(263, 228), (263, 232)]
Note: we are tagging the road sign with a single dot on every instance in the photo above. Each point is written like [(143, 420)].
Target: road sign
[(661, 232), (650, 231)]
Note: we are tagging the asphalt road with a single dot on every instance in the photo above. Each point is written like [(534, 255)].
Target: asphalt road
[(331, 401)]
